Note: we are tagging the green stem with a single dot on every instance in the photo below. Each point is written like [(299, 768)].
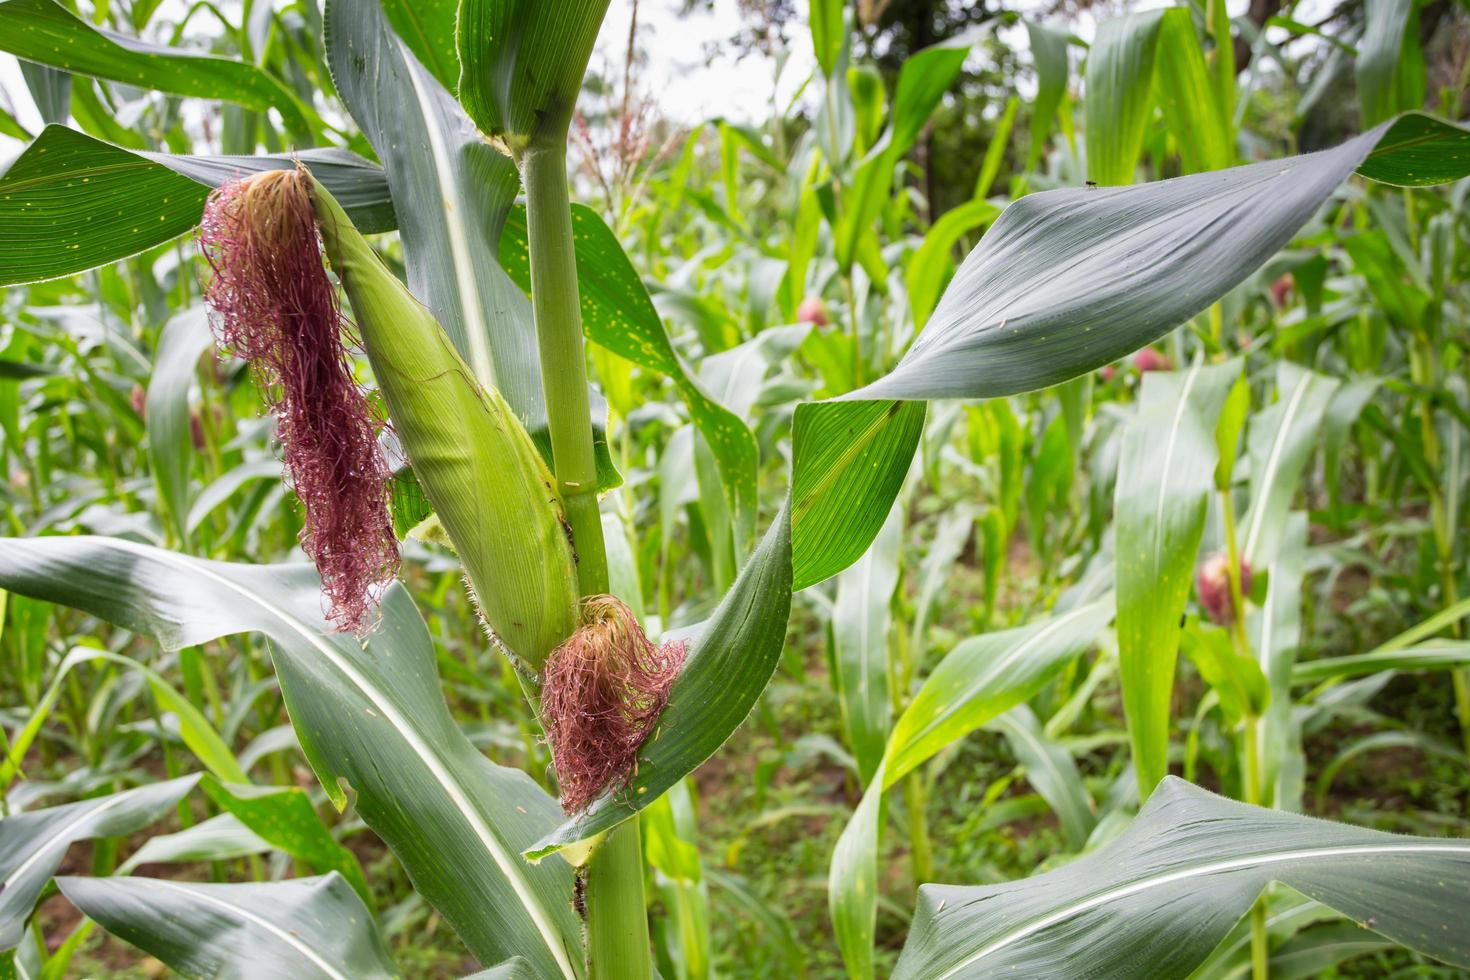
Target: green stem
[(1260, 950), (617, 920), (555, 301), (921, 854)]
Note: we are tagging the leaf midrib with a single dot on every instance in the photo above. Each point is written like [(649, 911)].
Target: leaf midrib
[(509, 865), (1199, 870)]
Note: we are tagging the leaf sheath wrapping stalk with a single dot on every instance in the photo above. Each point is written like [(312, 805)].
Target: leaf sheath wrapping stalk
[(489, 486)]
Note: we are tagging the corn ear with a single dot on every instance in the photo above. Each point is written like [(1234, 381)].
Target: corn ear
[(491, 490)]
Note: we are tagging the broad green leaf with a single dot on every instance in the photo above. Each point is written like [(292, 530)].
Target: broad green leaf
[(728, 664), (849, 461), (1159, 898), (1429, 655), (181, 343), (1120, 80), (220, 838), (1418, 150), (1236, 679), (618, 314), (1067, 281), (71, 202), (984, 677), (1390, 64), (452, 192), (1275, 631), (1188, 96), (281, 930), (33, 844), (922, 82), (371, 719), (45, 32), (1049, 52), (427, 27), (284, 817), (829, 31), (862, 619), (1165, 475), (980, 679), (521, 64), (1281, 441)]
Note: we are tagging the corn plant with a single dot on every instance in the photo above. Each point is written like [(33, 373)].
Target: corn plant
[(471, 434)]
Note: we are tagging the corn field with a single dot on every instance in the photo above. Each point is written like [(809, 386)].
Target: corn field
[(999, 509)]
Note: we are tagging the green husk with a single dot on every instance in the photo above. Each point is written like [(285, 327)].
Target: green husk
[(492, 492)]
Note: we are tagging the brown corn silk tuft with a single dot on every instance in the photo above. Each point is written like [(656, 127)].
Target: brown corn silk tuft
[(602, 690), (273, 305)]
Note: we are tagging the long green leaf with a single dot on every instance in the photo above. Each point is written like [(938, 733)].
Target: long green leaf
[(1120, 79), (978, 681), (1067, 281), (33, 844), (183, 340), (313, 928), (45, 32), (71, 202), (862, 619), (1390, 64), (1165, 475), (371, 719), (1158, 899), (284, 817), (1429, 655), (849, 461), (1282, 439)]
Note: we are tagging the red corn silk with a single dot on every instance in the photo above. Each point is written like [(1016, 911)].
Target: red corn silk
[(273, 305), (602, 691)]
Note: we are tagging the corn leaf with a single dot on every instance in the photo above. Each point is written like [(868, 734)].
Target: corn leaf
[(980, 679), (371, 718), (1281, 440), (1159, 898), (303, 928), (862, 619), (1390, 65), (45, 32), (71, 202), (181, 343), (1120, 79), (33, 844), (1165, 475)]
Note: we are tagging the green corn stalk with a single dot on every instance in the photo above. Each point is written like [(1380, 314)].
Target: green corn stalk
[(493, 494)]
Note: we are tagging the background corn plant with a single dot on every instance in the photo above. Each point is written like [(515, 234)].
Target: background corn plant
[(931, 528)]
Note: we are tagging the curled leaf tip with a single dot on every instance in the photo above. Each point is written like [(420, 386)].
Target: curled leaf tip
[(602, 692), (272, 304)]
